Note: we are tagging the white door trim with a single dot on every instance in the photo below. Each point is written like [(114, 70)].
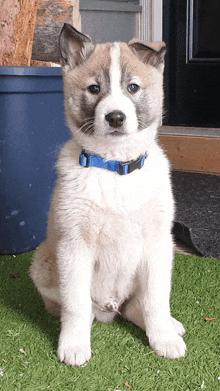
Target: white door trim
[(150, 21)]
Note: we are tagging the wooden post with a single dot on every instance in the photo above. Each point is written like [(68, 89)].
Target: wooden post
[(17, 19), (9, 11), (51, 16)]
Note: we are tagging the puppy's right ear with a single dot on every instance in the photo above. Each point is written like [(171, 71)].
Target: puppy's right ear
[(75, 47)]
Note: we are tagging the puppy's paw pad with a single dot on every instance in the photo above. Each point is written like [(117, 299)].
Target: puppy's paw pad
[(178, 327), (74, 355), (170, 348)]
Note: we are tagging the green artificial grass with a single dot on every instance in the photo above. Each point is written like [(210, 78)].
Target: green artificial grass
[(120, 351)]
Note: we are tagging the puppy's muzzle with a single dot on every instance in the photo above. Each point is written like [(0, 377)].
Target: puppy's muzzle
[(115, 118)]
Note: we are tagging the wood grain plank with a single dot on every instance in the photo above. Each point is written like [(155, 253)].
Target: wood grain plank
[(24, 32), (193, 154)]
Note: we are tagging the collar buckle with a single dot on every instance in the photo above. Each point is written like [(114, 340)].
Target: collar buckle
[(84, 159), (128, 167)]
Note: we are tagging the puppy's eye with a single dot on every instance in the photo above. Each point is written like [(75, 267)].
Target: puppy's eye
[(133, 88), (94, 89)]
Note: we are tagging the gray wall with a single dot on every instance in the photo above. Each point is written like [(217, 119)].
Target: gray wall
[(108, 21)]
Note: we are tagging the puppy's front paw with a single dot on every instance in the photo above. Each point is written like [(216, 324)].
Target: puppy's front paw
[(73, 352), (169, 346), (178, 326)]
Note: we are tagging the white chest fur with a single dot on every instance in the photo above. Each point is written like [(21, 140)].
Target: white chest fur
[(117, 216)]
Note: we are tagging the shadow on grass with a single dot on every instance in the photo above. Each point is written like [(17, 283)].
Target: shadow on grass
[(136, 332), (20, 295)]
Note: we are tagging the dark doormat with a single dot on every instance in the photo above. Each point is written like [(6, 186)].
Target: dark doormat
[(197, 217)]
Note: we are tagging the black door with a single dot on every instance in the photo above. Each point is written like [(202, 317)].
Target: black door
[(192, 76)]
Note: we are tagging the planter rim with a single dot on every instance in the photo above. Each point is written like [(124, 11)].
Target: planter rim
[(30, 71)]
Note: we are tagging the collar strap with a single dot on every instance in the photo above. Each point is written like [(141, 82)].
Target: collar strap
[(122, 168)]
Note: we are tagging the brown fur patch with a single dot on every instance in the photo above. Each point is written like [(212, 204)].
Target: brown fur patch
[(94, 71), (53, 308), (151, 85)]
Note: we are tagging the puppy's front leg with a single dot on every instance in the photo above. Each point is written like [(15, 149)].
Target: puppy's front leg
[(75, 267), (160, 326)]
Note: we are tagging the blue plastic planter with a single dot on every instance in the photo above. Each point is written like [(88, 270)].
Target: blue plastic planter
[(32, 129)]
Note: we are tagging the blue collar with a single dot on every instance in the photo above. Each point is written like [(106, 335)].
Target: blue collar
[(122, 168)]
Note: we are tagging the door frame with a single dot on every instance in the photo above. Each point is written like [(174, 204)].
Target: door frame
[(150, 21)]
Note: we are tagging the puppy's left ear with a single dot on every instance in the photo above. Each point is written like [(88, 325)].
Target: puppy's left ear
[(151, 53), (75, 47)]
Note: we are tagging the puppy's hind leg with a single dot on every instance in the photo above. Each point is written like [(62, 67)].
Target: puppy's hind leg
[(43, 272), (132, 312), (52, 307)]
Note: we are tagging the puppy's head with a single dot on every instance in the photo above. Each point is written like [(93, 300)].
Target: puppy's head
[(112, 90)]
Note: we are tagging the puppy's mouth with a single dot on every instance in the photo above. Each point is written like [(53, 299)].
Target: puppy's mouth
[(117, 133)]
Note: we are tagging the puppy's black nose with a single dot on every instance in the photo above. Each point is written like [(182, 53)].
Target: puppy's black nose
[(115, 118)]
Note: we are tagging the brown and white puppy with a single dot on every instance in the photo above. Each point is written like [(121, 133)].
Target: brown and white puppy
[(109, 247)]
